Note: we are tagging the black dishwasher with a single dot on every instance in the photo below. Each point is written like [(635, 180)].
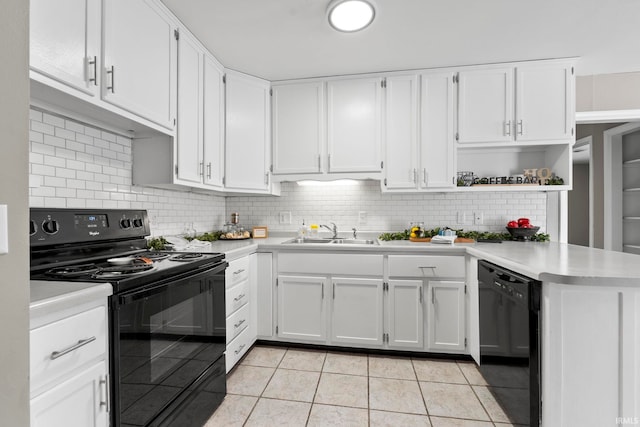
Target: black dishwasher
[(510, 341)]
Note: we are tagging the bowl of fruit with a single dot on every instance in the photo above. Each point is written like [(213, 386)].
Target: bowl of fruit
[(522, 229)]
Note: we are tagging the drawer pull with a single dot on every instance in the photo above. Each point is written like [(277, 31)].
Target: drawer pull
[(237, 325), (239, 297), (433, 269), (239, 271), (56, 354), (239, 349)]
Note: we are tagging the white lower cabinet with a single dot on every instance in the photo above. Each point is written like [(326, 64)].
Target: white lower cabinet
[(302, 308), (357, 311), (405, 321), (78, 402), (240, 301), (446, 315)]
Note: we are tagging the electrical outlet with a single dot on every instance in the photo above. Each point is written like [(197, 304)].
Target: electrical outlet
[(362, 217), (478, 218), (285, 217)]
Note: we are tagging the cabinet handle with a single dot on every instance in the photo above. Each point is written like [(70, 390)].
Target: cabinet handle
[(414, 175), (266, 178), (95, 71), (105, 402), (57, 354), (507, 128), (319, 163), (334, 290), (425, 176), (112, 88), (201, 168), (238, 271), (237, 325), (329, 163), (239, 297), (323, 291), (209, 170), (420, 294), (520, 127), (433, 296), (239, 349), (433, 270)]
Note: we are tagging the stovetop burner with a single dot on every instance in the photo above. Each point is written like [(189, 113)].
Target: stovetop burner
[(154, 256), (121, 271), (186, 257), (72, 271)]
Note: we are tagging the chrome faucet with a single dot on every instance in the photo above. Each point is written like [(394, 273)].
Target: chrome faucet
[(333, 229), (355, 233)]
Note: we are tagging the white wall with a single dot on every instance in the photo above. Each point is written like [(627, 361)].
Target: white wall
[(74, 165), (385, 212), (14, 267)]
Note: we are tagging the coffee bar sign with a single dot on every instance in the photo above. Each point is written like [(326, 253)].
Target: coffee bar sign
[(540, 176)]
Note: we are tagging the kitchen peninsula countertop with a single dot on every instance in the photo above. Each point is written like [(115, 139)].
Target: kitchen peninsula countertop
[(548, 261)]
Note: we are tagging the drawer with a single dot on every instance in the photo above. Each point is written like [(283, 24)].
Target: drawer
[(237, 271), (61, 348), (236, 297), (238, 322), (333, 264), (238, 347), (426, 266)]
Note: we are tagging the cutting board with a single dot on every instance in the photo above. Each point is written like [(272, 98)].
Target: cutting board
[(428, 239)]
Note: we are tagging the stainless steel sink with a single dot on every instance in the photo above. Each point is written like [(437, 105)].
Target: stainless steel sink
[(355, 242), (339, 241)]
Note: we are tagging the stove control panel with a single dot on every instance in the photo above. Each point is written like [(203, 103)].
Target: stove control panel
[(57, 226)]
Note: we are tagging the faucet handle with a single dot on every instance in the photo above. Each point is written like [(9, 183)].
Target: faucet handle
[(355, 233)]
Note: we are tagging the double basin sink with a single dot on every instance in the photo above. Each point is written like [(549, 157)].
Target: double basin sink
[(339, 241)]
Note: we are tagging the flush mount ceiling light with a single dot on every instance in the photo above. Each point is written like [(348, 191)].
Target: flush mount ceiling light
[(350, 15)]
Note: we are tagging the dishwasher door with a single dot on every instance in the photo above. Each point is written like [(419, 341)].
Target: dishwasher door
[(510, 340)]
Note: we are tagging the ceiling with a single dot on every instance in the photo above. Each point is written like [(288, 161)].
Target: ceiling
[(285, 39)]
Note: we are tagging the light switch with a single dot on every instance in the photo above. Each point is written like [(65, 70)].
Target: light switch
[(4, 230), (285, 217)]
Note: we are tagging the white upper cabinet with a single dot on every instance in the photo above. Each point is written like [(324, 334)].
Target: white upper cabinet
[(213, 121), (353, 125), (544, 102), (485, 105), (298, 127), (529, 102), (189, 132), (65, 42), (139, 60), (247, 144), (437, 144), (400, 139)]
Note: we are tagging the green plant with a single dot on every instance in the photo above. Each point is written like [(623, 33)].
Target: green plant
[(157, 243)]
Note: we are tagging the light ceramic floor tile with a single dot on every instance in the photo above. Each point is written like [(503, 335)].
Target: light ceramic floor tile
[(396, 419), (272, 412), (233, 412), (326, 415), (396, 396), (452, 400), (264, 356), (343, 390), (344, 363), (489, 402), (391, 367), (249, 380), (288, 384), (438, 371), (455, 422), (303, 360), (471, 373)]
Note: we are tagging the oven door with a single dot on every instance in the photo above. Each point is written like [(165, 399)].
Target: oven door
[(167, 343)]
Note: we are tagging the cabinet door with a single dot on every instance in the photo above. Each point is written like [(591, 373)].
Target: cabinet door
[(298, 127), (139, 60), (485, 105), (247, 142), (353, 122), (406, 319), (78, 402), (302, 308), (401, 133), (446, 316), (544, 102), (189, 132), (356, 314), (65, 42), (437, 145), (213, 120)]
